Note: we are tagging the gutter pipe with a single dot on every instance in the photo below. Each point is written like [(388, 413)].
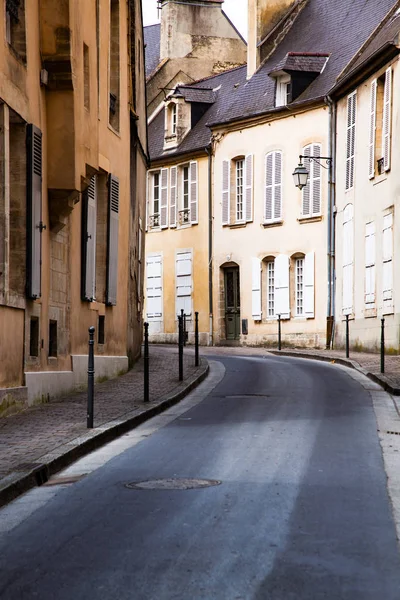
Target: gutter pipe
[(209, 151), (331, 223)]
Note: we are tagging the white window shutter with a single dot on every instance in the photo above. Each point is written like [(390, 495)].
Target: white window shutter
[(194, 208), (306, 204), (249, 187), (282, 300), (277, 185), (316, 181), (256, 289), (184, 283), (147, 200), (370, 263), (348, 254), (387, 117), (269, 165), (225, 192), (387, 253), (173, 197), (164, 199), (154, 288), (351, 139), (309, 285), (372, 130)]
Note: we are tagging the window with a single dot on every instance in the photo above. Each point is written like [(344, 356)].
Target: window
[(86, 77), (283, 91), (184, 283), (156, 196), (239, 190), (351, 139), (154, 292), (173, 119), (53, 338), (271, 289), (184, 213), (311, 204), (15, 27), (348, 258), (380, 124), (299, 265), (273, 187), (387, 270), (114, 65), (34, 337)]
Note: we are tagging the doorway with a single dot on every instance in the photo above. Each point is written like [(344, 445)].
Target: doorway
[(232, 303)]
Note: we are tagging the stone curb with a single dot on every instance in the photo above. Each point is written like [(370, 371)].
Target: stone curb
[(347, 362), (19, 482)]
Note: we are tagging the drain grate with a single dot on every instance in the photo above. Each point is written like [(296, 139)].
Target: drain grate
[(172, 484)]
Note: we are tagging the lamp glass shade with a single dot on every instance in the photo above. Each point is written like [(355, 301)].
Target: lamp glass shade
[(300, 176)]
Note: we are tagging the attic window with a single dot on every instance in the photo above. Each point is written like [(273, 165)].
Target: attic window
[(283, 90), (173, 116)]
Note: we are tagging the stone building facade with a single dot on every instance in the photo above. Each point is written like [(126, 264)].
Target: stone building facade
[(73, 157)]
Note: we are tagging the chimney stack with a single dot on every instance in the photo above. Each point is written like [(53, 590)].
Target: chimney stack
[(263, 16)]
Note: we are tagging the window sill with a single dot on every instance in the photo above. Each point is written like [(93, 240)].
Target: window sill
[(16, 55), (236, 225), (370, 312), (111, 128), (313, 219), (379, 178), (267, 225)]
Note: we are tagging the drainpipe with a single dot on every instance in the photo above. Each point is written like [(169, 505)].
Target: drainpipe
[(208, 149), (331, 223)]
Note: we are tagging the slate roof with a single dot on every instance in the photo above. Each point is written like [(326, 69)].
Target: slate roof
[(194, 94), (335, 27), (152, 35)]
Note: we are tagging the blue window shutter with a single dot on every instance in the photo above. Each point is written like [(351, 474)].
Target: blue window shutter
[(34, 212)]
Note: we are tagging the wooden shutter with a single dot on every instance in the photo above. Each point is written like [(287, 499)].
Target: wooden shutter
[(34, 212), (387, 255), (282, 301), (256, 289), (269, 192), (372, 129), (148, 196), (154, 288), (306, 204), (370, 263), (226, 174), (348, 254), (193, 191), (309, 285), (89, 217), (164, 199), (277, 185), (173, 198), (387, 118), (351, 139), (112, 241), (249, 187), (184, 283), (316, 181)]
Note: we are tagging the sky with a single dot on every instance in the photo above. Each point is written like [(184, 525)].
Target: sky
[(235, 9)]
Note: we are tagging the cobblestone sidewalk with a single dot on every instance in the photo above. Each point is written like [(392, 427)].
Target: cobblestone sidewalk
[(39, 430)]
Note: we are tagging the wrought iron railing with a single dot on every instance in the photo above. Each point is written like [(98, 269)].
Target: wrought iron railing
[(154, 221), (184, 216)]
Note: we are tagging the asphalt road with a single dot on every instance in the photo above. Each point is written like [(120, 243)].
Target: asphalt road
[(302, 510)]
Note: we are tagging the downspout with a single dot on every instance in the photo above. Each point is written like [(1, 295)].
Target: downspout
[(208, 149), (331, 223)]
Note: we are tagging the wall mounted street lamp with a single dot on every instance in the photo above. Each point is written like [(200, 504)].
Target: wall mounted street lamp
[(301, 174)]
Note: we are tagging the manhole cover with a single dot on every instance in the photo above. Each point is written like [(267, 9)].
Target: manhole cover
[(172, 484)]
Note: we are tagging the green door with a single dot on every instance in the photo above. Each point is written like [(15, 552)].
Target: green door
[(232, 303)]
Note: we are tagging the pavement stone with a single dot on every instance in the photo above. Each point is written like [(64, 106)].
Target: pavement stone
[(54, 434)]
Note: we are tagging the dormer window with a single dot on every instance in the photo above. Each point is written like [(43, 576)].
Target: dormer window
[(283, 90)]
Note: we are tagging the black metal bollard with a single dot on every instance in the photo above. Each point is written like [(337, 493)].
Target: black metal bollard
[(146, 364), (279, 333), (347, 337), (196, 339), (382, 345), (180, 347), (90, 402), (183, 326)]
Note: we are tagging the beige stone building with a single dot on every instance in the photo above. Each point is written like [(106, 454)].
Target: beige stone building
[(367, 193), (73, 154)]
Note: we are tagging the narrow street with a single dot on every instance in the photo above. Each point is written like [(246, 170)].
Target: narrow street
[(298, 507)]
